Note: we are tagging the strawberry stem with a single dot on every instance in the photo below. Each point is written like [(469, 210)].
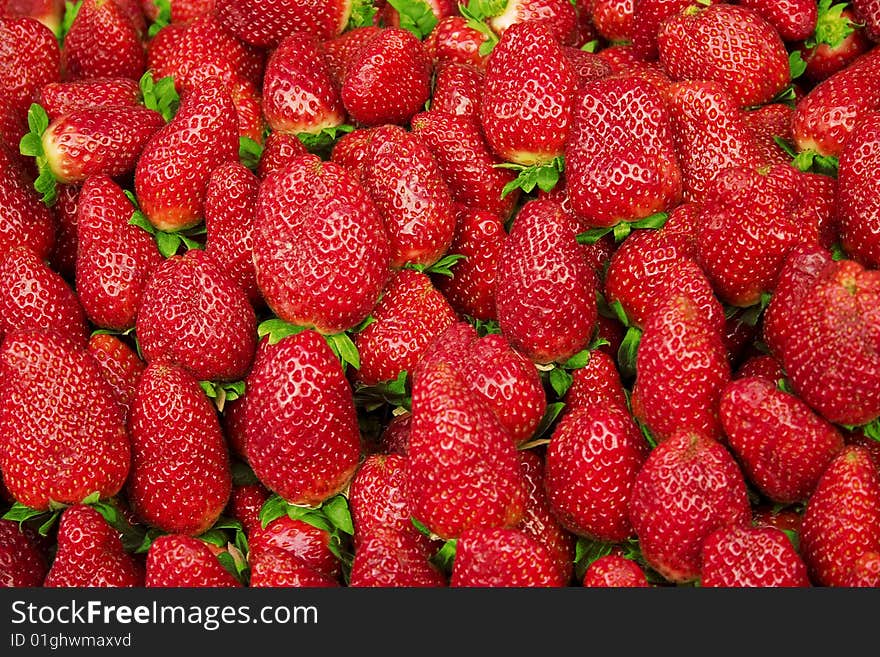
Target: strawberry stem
[(416, 16)]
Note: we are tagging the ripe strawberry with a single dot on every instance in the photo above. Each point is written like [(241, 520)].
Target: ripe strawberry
[(33, 296), (559, 16), (405, 183), (245, 503), (172, 172), (832, 359), (620, 161), (182, 11), (769, 123), (858, 207), (195, 314), (90, 553), (453, 40), (302, 434), (352, 150), (593, 458), (466, 162), (689, 486), (463, 467), (279, 148), (394, 438), (60, 98), (114, 258), (613, 19), (494, 557), (103, 42), (681, 370), (299, 94), (410, 314), (527, 106), (48, 12), (762, 366), (264, 24), (647, 17), (24, 219), (755, 557), (458, 89), (390, 557), (865, 571), (781, 444), (596, 384), (615, 571), (389, 79), (341, 50), (230, 215), (728, 44), (842, 519), (22, 560), (869, 12), (299, 539), (321, 250), (546, 291), (29, 58), (120, 366), (179, 561), (839, 38), (794, 20), (278, 568), (55, 448), (588, 66)]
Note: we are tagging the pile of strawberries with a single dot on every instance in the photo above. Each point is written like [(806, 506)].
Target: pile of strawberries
[(416, 293)]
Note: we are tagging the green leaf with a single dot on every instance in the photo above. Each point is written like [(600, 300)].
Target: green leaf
[(364, 324), (140, 220), (416, 16), (550, 414), (363, 14), (214, 537), (31, 145), (226, 560), (484, 327), (652, 222), (560, 381), (621, 231), (392, 393), (324, 139), (445, 556), (168, 243), (442, 267), (579, 360), (586, 551), (619, 312), (832, 27), (646, 432), (163, 18), (149, 536), (474, 13), (337, 511), (591, 46), (249, 152), (785, 146), (310, 516), (345, 350), (92, 498), (783, 385), (872, 430), (593, 235), (46, 184), (626, 353), (544, 176), (20, 513), (272, 509), (797, 64), (420, 526), (71, 10), (46, 527), (160, 96), (752, 314), (277, 329), (838, 253)]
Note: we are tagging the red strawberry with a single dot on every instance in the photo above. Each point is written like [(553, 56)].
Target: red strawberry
[(546, 291), (405, 183), (832, 357), (54, 448), (493, 557), (869, 12), (588, 65), (681, 370), (90, 553), (22, 560), (299, 539), (593, 458), (842, 519), (558, 15), (278, 568), (103, 42), (60, 98), (596, 384), (453, 40), (527, 106), (389, 557), (458, 89), (410, 314), (173, 170), (794, 20), (865, 571), (29, 58), (463, 468), (264, 24), (194, 313), (279, 149), (728, 44), (769, 123), (114, 259), (120, 366), (389, 79), (303, 440), (48, 12), (689, 487), (647, 17), (615, 571), (179, 561), (394, 438), (24, 219), (754, 557), (781, 444), (620, 161), (352, 151), (321, 251), (613, 19), (763, 366), (858, 206), (182, 11), (33, 296), (245, 504), (839, 38)]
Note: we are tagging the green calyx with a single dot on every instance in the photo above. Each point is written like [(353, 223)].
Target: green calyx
[(31, 145), (160, 96), (544, 176), (416, 16), (832, 27)]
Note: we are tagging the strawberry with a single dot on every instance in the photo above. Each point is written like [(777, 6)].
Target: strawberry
[(299, 539), (172, 172), (839, 38), (494, 557), (352, 150), (299, 94), (48, 12), (588, 66), (22, 561), (33, 296), (613, 19), (24, 219), (869, 12), (264, 24), (527, 106), (340, 51), (453, 40), (29, 58), (302, 434), (55, 449), (762, 366), (404, 181), (559, 16), (647, 16), (321, 251), (114, 259), (103, 42), (596, 384), (781, 444), (546, 291), (60, 98), (389, 79), (832, 358), (279, 149), (90, 553), (769, 123), (180, 561), (466, 162), (182, 11), (794, 20), (755, 557), (463, 468), (689, 486), (458, 89), (194, 313), (858, 207), (594, 455), (728, 44), (278, 568), (230, 215), (120, 366), (865, 571), (615, 571), (394, 438), (842, 518), (410, 314), (620, 157), (245, 503), (681, 370), (391, 557)]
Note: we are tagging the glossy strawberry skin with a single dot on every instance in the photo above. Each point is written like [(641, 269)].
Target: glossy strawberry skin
[(194, 313), (277, 568), (453, 40), (782, 445), (858, 209), (794, 20), (302, 435), (180, 561), (308, 275), (279, 148), (546, 291), (23, 562), (840, 39), (497, 558), (264, 24), (869, 11), (842, 518), (299, 539), (865, 572), (458, 89), (615, 571), (24, 218), (245, 503), (59, 98), (53, 448), (120, 366), (389, 557), (596, 383), (30, 58), (103, 42)]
